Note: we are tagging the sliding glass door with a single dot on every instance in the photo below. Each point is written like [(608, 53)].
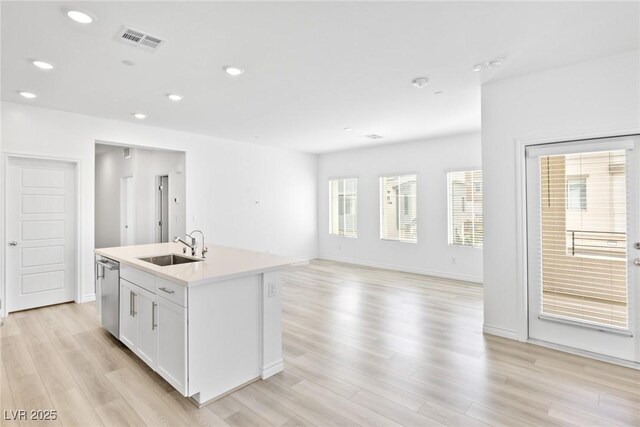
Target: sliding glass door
[(583, 221)]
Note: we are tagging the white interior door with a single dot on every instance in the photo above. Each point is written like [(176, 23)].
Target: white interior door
[(41, 232), (583, 220), (127, 211)]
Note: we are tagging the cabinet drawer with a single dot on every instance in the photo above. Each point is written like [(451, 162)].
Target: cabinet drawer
[(138, 277), (171, 291)]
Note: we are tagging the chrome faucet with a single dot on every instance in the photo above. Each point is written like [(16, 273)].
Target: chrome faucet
[(192, 243), (193, 239)]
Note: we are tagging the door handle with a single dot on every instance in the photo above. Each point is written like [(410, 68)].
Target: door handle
[(636, 262), (13, 243), (153, 316), (134, 303), (131, 303)]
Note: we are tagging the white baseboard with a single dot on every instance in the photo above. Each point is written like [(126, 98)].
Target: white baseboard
[(272, 369), (500, 332), (441, 274), (87, 298)]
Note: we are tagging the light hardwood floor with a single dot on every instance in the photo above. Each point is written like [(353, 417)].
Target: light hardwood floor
[(362, 347)]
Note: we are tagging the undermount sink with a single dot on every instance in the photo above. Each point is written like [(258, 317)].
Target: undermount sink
[(164, 260)]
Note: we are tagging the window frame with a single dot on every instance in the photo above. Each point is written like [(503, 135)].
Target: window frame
[(329, 181), (381, 206), (582, 181), (449, 206)]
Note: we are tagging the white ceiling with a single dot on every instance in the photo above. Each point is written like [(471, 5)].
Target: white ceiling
[(311, 68)]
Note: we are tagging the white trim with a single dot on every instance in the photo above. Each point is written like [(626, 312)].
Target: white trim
[(500, 332), (272, 369), (521, 212), (468, 169), (522, 265), (570, 147), (87, 298), (4, 157), (333, 178), (433, 273), (390, 175), (587, 354)]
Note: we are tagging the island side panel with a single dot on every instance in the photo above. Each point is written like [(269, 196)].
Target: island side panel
[(225, 329), (272, 361)]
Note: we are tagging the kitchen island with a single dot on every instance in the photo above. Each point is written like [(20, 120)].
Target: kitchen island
[(207, 326)]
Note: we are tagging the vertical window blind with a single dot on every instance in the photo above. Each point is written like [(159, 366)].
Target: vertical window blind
[(398, 208), (465, 208), (343, 201), (583, 245)]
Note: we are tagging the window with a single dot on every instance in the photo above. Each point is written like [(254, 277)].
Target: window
[(582, 247), (343, 201), (398, 208), (465, 208), (577, 193)]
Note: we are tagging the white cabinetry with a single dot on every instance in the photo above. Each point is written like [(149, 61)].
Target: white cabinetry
[(147, 346), (155, 328), (172, 340), (128, 320)]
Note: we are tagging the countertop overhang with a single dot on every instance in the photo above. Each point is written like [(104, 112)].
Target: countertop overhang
[(221, 263)]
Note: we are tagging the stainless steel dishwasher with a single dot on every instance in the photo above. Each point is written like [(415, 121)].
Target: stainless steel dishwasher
[(108, 294)]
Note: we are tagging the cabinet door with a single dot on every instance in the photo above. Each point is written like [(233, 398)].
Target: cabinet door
[(145, 306), (128, 321), (172, 344)]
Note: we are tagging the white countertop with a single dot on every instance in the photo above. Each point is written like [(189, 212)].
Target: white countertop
[(221, 262)]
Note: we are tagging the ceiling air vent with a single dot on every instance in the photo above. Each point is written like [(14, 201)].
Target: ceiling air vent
[(139, 39), (373, 136)]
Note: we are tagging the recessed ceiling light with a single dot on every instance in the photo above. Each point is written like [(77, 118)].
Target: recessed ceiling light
[(477, 67), (28, 95), (174, 97), (496, 63), (42, 65), (420, 82), (80, 17), (348, 129), (139, 116), (233, 71)]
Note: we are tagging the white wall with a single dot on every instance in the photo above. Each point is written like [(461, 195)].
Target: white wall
[(224, 180), (585, 99), (430, 159), (144, 166)]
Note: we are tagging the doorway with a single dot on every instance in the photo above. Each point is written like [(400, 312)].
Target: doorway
[(41, 229), (583, 223)]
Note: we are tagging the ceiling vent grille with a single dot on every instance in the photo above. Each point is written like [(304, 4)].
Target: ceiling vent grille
[(373, 136), (139, 39)]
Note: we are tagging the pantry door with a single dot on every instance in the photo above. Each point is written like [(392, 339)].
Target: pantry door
[(41, 232), (584, 245)]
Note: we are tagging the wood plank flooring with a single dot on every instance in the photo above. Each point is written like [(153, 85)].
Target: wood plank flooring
[(362, 347)]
